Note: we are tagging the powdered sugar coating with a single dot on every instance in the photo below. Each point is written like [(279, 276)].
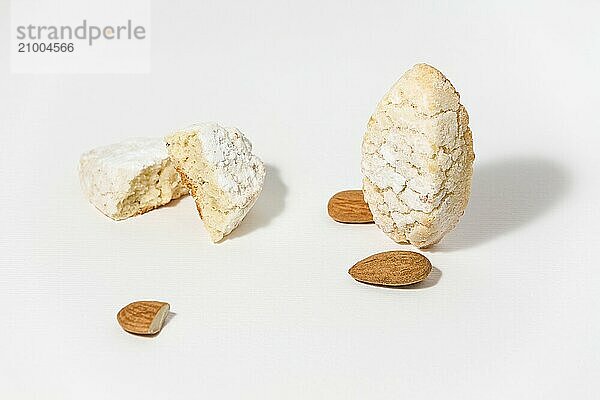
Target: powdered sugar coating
[(110, 177), (224, 176), (238, 172), (417, 157)]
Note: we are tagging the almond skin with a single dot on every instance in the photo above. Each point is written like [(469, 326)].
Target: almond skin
[(143, 317), (349, 207), (392, 268)]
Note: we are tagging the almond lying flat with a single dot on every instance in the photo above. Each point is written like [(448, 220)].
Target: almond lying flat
[(143, 317), (392, 268), (349, 207)]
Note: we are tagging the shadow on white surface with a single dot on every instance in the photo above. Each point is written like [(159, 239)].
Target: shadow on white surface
[(269, 205), (507, 194), (432, 279), (169, 317)]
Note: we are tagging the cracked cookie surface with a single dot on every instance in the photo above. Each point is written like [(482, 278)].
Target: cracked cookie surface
[(417, 158)]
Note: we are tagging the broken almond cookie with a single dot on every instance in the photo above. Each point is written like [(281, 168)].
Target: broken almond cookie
[(129, 178), (417, 158), (223, 175)]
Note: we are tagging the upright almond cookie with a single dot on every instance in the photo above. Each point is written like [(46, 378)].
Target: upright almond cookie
[(417, 158)]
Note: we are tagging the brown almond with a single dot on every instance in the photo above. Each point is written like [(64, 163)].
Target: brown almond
[(143, 317), (349, 207), (392, 268)]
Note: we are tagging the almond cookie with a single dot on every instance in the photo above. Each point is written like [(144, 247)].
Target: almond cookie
[(129, 178), (223, 175), (417, 158)]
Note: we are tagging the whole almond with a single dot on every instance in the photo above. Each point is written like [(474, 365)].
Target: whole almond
[(349, 207), (392, 268), (143, 317)]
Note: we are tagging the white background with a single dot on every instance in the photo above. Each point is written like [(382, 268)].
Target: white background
[(510, 312)]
